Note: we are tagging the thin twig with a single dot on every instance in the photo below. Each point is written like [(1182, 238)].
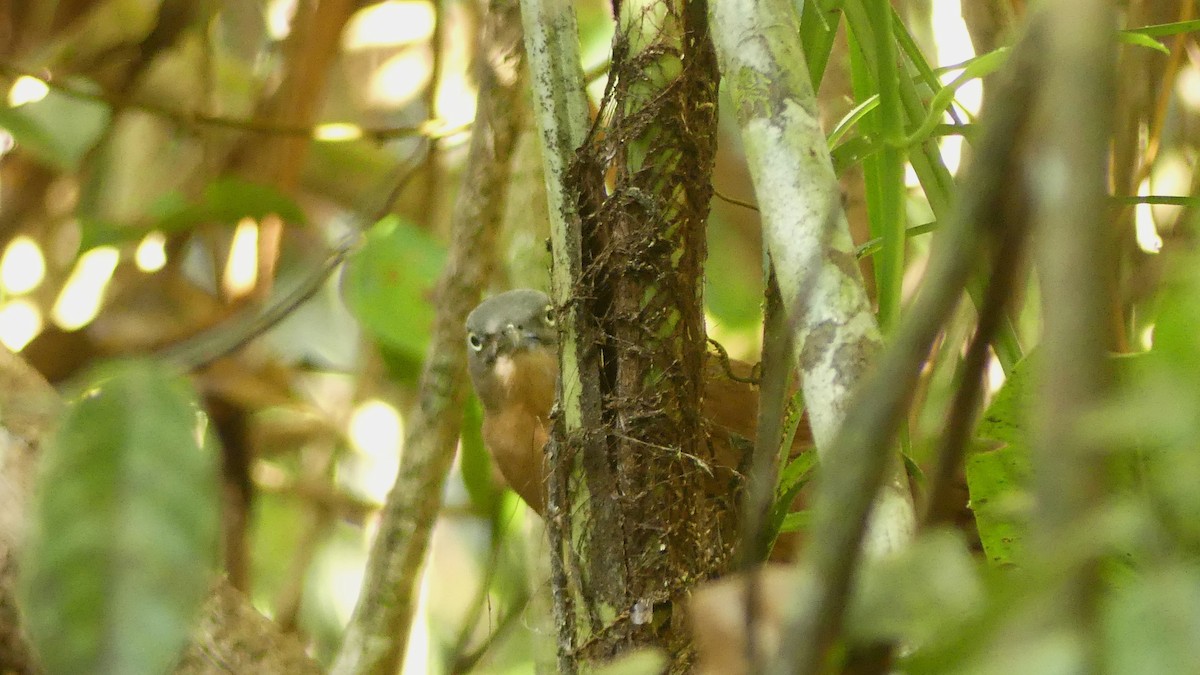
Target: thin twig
[(733, 200), (727, 369), (237, 332), (466, 663), (431, 128), (964, 409)]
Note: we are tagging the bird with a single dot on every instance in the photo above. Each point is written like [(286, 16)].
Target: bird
[(512, 358)]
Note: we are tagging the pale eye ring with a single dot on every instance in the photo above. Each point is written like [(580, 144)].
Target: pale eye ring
[(475, 342), (549, 317)]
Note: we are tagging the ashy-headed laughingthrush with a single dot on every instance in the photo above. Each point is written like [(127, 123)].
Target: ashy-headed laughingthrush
[(512, 357)]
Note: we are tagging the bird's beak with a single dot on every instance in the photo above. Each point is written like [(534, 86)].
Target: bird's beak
[(513, 338)]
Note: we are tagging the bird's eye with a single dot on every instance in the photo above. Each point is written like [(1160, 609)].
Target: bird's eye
[(549, 318), (475, 342)]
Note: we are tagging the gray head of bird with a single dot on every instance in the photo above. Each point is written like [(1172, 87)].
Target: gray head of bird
[(505, 326)]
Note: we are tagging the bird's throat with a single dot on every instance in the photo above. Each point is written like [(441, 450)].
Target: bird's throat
[(504, 369)]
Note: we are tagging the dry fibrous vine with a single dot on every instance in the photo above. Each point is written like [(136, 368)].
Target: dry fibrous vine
[(643, 248)]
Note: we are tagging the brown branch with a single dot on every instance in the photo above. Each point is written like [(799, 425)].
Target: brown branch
[(1008, 243), (375, 640)]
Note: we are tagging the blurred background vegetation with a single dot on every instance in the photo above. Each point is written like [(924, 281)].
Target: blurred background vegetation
[(173, 168)]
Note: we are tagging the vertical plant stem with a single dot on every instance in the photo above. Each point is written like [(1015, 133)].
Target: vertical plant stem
[(789, 160), (1069, 184), (657, 521), (887, 217), (926, 160), (560, 111), (837, 334), (780, 133), (375, 640)]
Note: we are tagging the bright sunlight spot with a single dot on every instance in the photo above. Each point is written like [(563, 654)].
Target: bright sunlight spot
[(337, 131), (954, 46), (389, 24), (151, 253), (279, 18), (1187, 87), (79, 301), (400, 78), (241, 268), (376, 432), (20, 322), (22, 267), (1146, 339), (1145, 230), (455, 101), (27, 89), (995, 375), (416, 659)]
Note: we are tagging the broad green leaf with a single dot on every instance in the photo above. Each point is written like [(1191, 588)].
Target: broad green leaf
[(223, 202), (387, 283), (58, 129), (1140, 40), (998, 479), (229, 199), (1151, 624), (474, 460), (124, 526), (1005, 417), (930, 587), (999, 484)]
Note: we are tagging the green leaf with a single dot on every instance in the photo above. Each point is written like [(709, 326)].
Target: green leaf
[(1140, 40), (1163, 29), (229, 199), (1151, 624), (124, 526), (795, 521), (386, 284), (474, 461), (58, 130), (851, 118), (872, 246), (795, 474), (225, 201), (929, 588), (974, 69), (1004, 419), (998, 479), (818, 28), (999, 484)]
